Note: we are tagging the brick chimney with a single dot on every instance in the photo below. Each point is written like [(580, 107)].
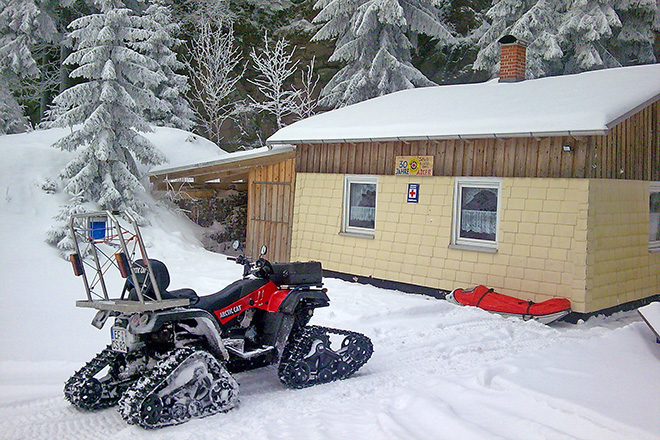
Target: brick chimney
[(513, 53)]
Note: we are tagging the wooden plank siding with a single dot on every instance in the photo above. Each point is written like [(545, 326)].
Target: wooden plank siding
[(630, 150), (270, 210)]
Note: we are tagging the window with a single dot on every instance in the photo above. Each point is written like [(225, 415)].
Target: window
[(476, 213), (360, 205), (654, 220)]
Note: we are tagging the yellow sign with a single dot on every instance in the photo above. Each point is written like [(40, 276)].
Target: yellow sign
[(414, 165)]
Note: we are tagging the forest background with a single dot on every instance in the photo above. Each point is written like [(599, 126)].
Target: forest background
[(287, 59)]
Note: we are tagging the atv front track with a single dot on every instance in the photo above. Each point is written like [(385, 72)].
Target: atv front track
[(89, 393), (186, 384), (309, 359)]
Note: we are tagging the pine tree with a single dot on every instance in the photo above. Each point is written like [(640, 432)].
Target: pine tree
[(22, 25), (109, 106), (12, 119), (586, 28), (159, 46), (533, 21), (569, 36), (633, 43), (375, 39)]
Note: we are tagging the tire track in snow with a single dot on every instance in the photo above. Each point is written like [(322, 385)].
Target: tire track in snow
[(475, 413), (53, 418)]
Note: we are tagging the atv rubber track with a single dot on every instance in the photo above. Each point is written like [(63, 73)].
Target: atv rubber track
[(308, 358), (86, 392), (201, 396)]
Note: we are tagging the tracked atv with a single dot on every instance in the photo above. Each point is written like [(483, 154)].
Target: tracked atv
[(173, 353)]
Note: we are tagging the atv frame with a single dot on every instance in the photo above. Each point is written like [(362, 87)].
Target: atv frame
[(108, 240)]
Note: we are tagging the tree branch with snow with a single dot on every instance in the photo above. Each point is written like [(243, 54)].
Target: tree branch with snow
[(275, 65), (216, 68)]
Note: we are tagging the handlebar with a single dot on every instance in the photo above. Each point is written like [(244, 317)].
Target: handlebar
[(260, 268)]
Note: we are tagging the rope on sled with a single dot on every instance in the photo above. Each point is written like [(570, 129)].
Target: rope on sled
[(484, 295)]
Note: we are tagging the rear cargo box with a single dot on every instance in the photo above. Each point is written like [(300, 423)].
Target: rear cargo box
[(294, 274)]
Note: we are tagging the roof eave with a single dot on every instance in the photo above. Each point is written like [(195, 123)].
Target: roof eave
[(284, 148), (632, 111), (575, 133)]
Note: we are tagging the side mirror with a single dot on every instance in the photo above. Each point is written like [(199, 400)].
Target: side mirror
[(264, 249), (235, 245)]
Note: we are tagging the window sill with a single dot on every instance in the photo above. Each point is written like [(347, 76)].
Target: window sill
[(358, 235), (468, 247)]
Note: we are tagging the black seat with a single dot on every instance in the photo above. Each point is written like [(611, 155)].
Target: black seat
[(181, 294), (162, 276), (229, 295)]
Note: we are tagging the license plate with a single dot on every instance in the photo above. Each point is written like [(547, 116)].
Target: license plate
[(119, 336)]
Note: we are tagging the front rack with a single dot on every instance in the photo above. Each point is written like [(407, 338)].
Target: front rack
[(103, 240)]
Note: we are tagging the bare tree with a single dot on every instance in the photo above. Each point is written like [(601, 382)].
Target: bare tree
[(216, 68), (275, 66), (307, 103)]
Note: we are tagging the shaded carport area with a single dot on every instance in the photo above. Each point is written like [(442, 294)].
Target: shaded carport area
[(268, 176)]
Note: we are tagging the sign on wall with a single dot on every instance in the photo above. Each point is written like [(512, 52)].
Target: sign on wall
[(414, 165), (413, 193)]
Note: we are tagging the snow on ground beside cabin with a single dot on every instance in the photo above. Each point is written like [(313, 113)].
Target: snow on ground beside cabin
[(439, 371)]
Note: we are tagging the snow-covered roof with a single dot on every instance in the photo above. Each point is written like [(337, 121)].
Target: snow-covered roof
[(183, 148), (227, 158), (581, 104)]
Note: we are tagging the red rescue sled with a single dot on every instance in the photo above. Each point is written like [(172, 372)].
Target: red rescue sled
[(487, 299)]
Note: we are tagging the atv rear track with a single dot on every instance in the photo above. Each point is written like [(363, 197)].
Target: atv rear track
[(309, 359)]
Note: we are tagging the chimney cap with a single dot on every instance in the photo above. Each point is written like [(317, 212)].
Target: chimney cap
[(510, 39)]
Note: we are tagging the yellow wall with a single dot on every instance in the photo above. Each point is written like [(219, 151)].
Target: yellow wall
[(542, 243), (620, 267)]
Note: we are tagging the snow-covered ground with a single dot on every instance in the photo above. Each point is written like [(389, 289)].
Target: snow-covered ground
[(438, 371)]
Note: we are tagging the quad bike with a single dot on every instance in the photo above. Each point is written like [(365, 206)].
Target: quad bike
[(173, 353)]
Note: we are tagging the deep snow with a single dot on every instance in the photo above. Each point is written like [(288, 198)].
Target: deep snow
[(439, 371)]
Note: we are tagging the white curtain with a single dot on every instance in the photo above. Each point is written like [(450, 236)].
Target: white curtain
[(484, 222), (363, 213)]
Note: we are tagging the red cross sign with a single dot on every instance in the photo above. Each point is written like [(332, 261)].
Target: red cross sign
[(413, 193)]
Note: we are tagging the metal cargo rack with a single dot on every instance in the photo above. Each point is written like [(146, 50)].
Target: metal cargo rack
[(103, 240)]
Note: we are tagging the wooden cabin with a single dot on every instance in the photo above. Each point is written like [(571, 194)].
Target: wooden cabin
[(538, 188), (268, 176)]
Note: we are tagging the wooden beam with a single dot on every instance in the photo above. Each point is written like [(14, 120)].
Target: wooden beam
[(199, 193), (225, 176)]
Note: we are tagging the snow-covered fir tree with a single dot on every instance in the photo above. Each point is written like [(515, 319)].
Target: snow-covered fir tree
[(374, 41), (586, 28), (633, 42), (159, 46), (22, 25), (569, 36), (12, 119), (533, 21), (105, 112), (191, 14)]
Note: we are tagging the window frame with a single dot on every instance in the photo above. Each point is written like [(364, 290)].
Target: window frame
[(474, 243), (346, 229), (654, 245)]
